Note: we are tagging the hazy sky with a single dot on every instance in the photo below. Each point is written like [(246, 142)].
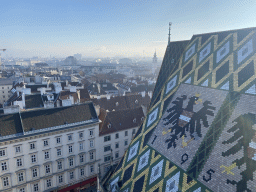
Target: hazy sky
[(113, 27)]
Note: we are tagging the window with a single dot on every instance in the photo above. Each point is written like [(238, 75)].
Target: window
[(117, 145), (82, 172), (6, 181), (18, 149), (71, 175), (33, 158), (22, 190), (71, 162), (48, 182), (126, 133), (70, 137), (117, 135), (20, 177), (117, 154), (32, 146), (91, 168), (81, 135), (46, 143), (36, 187), (60, 178), (107, 138), (81, 146), (133, 131), (47, 169), (4, 166), (91, 155), (46, 155), (107, 158), (91, 132), (91, 143), (58, 140), (81, 157), (125, 142), (2, 152), (34, 172), (59, 165), (107, 148), (58, 152), (70, 148), (19, 162)]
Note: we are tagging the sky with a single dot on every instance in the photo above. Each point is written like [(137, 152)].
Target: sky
[(109, 28)]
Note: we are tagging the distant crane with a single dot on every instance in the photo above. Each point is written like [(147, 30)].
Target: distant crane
[(1, 58)]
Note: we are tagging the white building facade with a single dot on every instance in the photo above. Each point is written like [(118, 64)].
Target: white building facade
[(113, 147), (49, 159)]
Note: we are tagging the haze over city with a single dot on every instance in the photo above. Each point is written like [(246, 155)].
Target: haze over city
[(112, 28)]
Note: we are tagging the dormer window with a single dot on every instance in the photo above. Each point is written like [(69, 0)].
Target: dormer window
[(136, 101), (117, 103), (109, 125), (134, 120), (142, 118)]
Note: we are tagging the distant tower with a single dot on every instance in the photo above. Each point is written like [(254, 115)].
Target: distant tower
[(154, 64), (169, 35), (155, 58)]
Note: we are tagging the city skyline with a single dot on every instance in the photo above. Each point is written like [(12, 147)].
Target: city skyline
[(113, 28)]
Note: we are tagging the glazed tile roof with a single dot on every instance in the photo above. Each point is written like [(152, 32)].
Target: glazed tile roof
[(200, 131)]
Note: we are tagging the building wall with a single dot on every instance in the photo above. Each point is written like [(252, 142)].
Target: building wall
[(4, 92), (12, 157), (123, 142)]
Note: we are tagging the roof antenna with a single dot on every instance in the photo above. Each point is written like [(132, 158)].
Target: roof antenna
[(169, 35)]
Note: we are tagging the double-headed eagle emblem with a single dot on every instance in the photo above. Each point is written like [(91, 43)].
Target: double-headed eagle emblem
[(183, 121)]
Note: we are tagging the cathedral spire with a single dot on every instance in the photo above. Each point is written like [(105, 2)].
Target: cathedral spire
[(155, 58), (169, 35)]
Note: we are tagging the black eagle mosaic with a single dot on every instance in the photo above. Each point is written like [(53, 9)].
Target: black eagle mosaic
[(200, 132)]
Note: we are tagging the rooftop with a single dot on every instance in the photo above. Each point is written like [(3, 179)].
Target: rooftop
[(200, 132), (115, 121), (46, 118)]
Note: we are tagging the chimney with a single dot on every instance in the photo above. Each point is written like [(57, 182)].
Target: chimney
[(58, 103), (42, 90), (143, 93), (78, 95), (11, 109), (97, 109), (150, 94), (23, 99), (108, 97)]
